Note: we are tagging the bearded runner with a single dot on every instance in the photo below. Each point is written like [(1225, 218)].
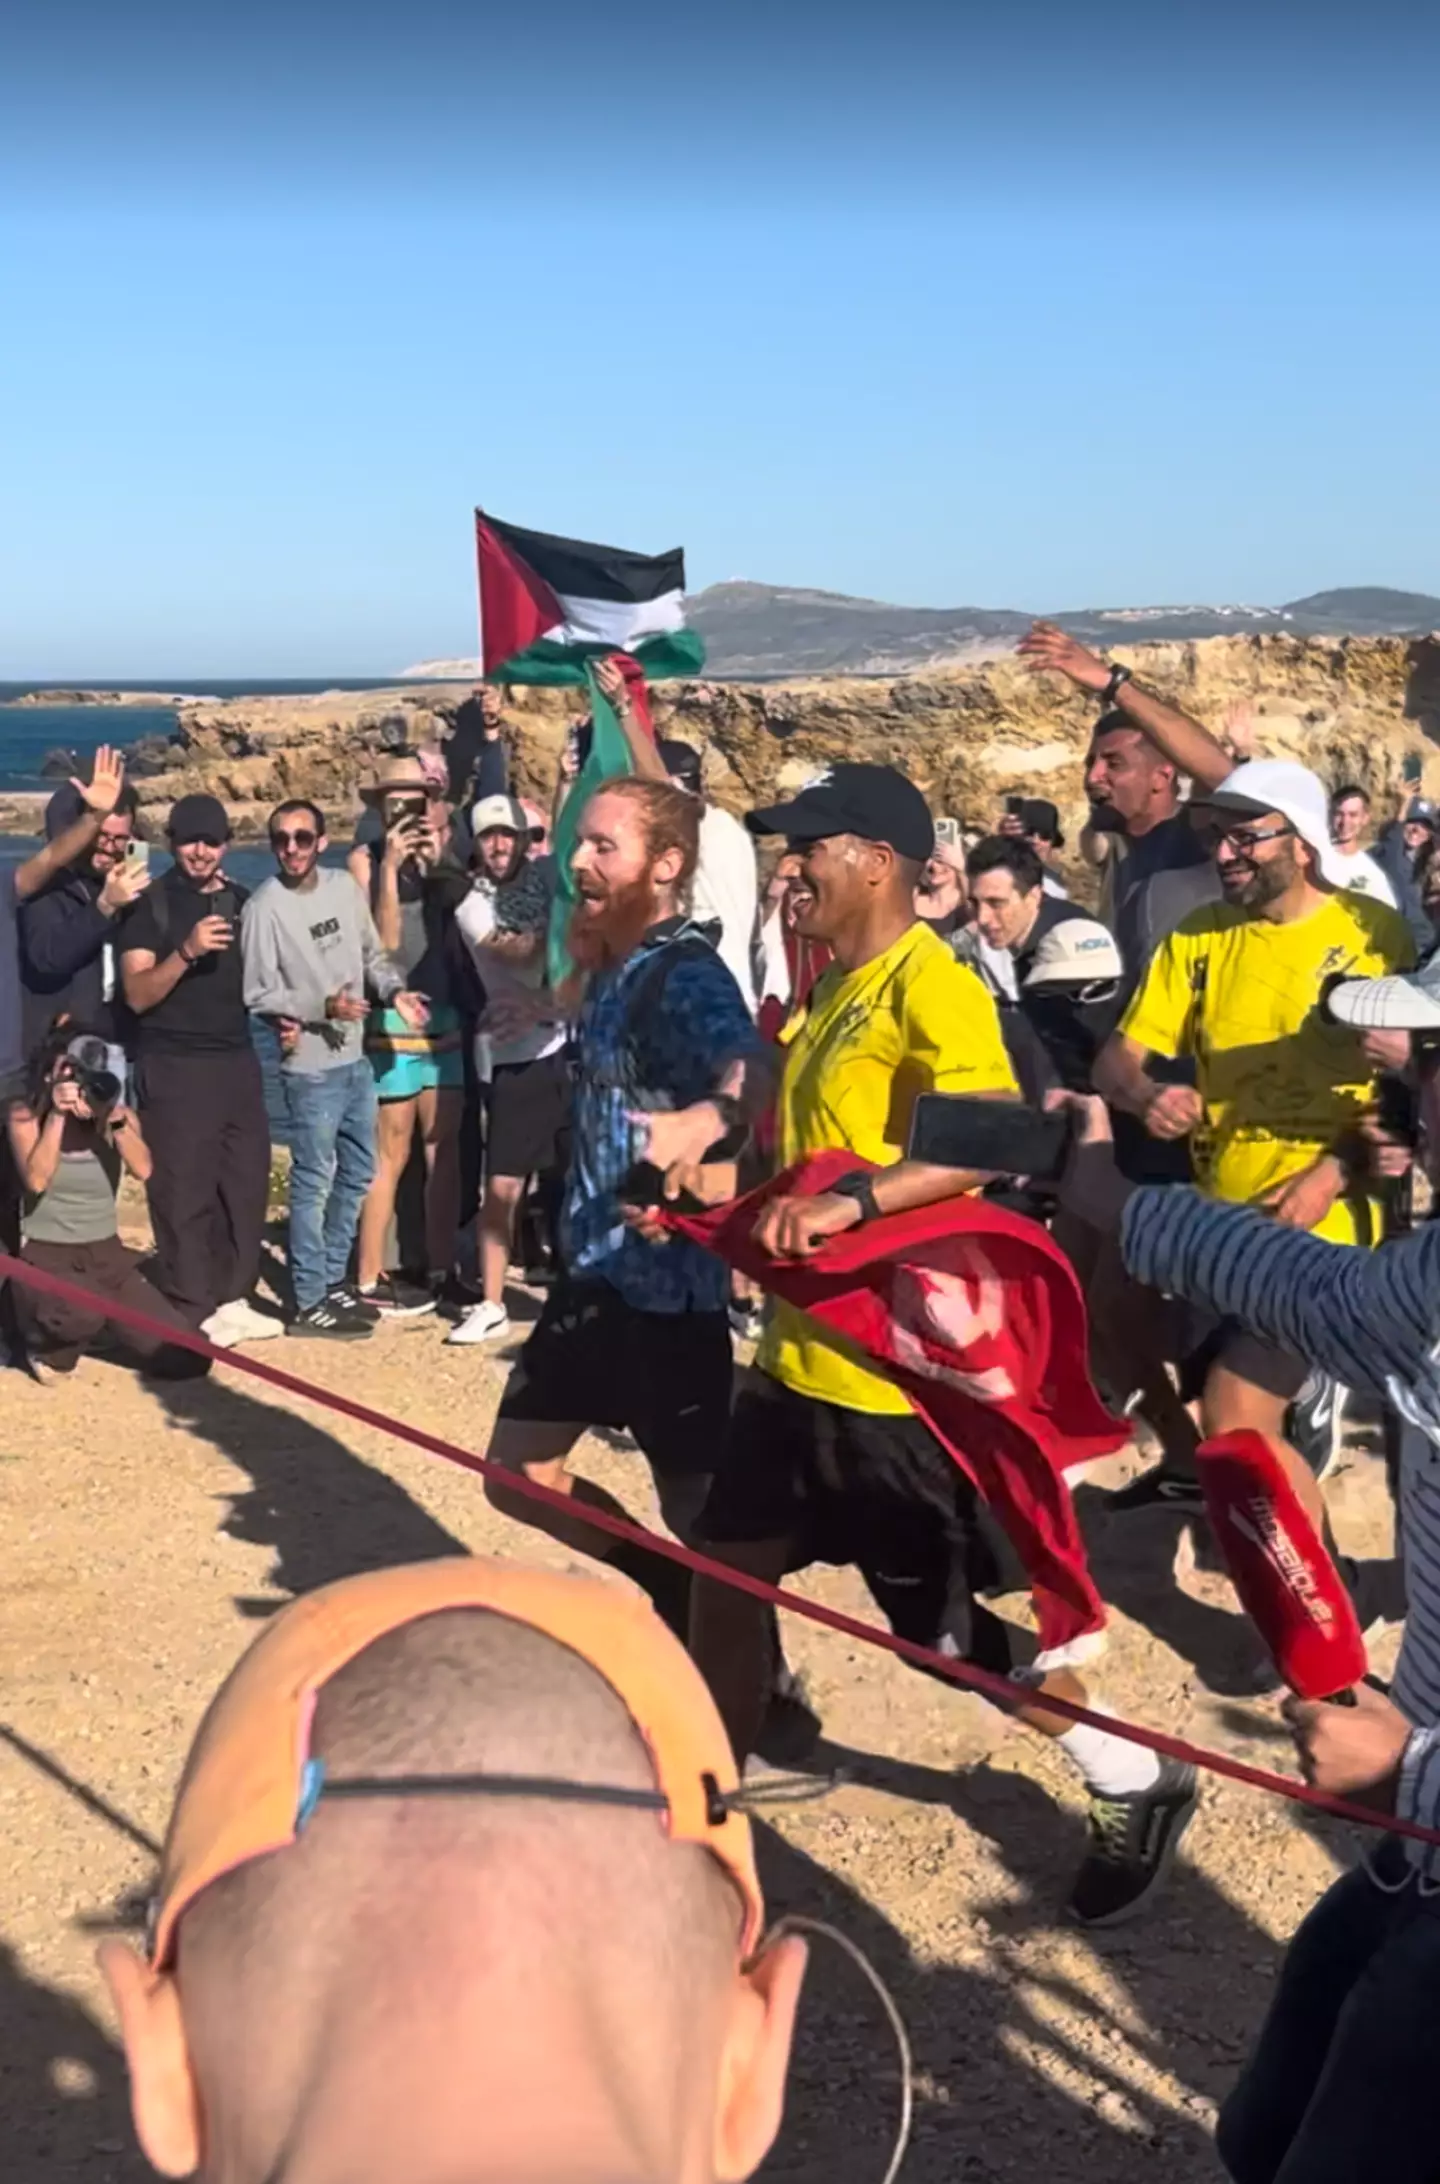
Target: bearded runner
[(549, 605)]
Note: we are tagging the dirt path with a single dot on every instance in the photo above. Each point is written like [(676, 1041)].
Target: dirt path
[(146, 1534)]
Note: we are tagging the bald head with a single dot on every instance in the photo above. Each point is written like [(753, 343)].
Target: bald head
[(437, 1988)]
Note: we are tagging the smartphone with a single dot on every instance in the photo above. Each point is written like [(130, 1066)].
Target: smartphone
[(955, 1130), (405, 811), (1015, 805), (1410, 769), (137, 856)]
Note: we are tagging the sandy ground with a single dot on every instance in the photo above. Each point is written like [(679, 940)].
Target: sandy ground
[(146, 1534)]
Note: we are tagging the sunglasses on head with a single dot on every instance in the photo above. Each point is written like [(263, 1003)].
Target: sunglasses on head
[(302, 838)]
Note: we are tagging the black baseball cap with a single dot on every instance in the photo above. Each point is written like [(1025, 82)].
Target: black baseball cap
[(876, 803), (197, 818), (1038, 816), (681, 761)]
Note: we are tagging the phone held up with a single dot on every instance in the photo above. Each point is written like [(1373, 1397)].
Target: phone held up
[(997, 1137)]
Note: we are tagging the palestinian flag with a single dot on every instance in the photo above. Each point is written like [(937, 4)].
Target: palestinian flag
[(548, 605)]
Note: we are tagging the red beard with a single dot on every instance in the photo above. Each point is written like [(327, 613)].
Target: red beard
[(599, 937)]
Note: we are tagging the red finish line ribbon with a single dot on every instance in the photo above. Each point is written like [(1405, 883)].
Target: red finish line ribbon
[(1008, 1696)]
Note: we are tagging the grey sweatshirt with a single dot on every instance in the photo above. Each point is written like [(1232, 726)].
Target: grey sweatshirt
[(300, 945)]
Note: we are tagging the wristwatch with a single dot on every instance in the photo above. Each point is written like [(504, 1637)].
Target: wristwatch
[(1118, 675), (861, 1187)]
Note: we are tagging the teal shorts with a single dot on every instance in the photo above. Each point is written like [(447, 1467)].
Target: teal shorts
[(407, 1063)]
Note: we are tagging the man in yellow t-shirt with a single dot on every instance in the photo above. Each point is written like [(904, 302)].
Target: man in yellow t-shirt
[(1280, 1088), (826, 1459)]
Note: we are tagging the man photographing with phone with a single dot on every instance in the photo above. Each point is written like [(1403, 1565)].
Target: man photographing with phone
[(198, 1076)]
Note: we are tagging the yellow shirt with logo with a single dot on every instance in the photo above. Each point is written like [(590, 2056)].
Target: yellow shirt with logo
[(912, 1020), (1280, 1082)]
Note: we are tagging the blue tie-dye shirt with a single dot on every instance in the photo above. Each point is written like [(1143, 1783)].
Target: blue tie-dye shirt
[(648, 1038)]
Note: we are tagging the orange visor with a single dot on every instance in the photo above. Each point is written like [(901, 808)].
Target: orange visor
[(249, 1783)]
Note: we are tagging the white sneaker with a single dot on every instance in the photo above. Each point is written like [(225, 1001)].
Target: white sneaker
[(480, 1323), (221, 1329), (248, 1325)]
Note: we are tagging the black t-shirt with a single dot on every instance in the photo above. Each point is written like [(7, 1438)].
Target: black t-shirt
[(205, 1012), (1146, 901)]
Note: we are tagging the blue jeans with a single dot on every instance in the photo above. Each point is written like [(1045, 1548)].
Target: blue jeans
[(332, 1165), (1344, 2083)]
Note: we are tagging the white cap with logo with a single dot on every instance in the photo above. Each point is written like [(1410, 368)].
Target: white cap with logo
[(1279, 784)]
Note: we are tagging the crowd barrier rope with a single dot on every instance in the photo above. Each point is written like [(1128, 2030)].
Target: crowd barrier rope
[(1008, 1696)]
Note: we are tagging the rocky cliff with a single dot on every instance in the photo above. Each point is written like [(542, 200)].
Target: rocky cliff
[(1351, 708)]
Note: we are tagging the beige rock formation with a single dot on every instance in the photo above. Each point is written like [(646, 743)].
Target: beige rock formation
[(1352, 708)]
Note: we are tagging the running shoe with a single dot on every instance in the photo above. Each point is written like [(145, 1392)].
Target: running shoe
[(395, 1298), (1160, 1488), (747, 1321), (1133, 1841), (327, 1322), (1315, 1425), (347, 1298), (239, 1321), (482, 1322)]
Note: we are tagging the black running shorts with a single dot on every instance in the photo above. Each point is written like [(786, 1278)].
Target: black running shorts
[(594, 1360), (866, 1488), (527, 1107)]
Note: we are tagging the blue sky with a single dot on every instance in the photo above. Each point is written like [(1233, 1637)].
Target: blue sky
[(1050, 308)]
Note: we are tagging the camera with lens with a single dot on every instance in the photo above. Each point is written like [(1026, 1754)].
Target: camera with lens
[(87, 1062)]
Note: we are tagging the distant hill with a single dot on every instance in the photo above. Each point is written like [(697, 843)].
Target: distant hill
[(756, 632), (762, 630)]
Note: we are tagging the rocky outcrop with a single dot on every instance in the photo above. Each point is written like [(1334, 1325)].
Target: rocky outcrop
[(1351, 708)]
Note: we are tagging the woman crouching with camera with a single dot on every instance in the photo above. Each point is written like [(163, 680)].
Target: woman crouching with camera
[(71, 1140)]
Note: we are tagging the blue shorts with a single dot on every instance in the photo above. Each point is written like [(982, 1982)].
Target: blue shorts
[(407, 1063)]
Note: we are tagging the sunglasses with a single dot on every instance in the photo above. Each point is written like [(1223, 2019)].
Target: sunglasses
[(302, 838), (204, 841)]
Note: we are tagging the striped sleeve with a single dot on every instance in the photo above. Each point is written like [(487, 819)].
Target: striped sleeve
[(1364, 1316), (1418, 1795)]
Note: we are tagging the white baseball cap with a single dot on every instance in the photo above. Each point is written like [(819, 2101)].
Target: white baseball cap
[(1077, 952), (1279, 784), (1407, 1001), (500, 811)]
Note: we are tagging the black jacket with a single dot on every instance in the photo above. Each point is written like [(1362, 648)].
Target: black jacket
[(68, 957)]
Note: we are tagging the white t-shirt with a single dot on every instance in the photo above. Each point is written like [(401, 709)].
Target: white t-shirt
[(727, 887), (1356, 870), (478, 919)]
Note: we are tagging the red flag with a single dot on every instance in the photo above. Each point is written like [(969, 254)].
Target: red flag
[(978, 1317)]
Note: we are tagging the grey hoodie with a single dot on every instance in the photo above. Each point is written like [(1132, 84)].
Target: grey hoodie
[(299, 946)]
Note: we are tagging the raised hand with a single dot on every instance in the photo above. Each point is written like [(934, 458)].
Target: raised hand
[(612, 685), (210, 937), (125, 884), (1049, 650), (101, 793)]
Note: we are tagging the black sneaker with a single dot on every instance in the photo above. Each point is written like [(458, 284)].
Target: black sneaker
[(346, 1298), (327, 1320), (395, 1298), (1133, 1841), (1315, 1425), (1160, 1488)]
